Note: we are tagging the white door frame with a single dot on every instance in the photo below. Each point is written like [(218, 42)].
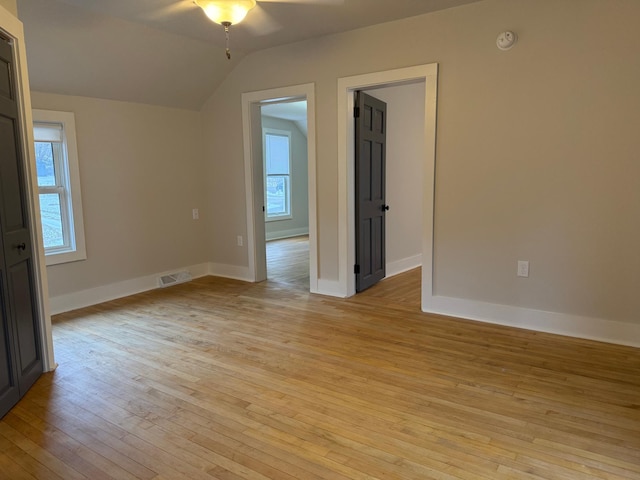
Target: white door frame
[(253, 163), (12, 28), (346, 166)]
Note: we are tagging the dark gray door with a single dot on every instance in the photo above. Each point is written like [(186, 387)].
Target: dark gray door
[(370, 209), (9, 392), (20, 352)]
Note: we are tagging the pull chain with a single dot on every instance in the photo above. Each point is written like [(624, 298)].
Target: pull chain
[(226, 26)]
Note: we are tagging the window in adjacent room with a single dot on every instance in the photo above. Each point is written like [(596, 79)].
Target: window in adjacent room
[(277, 160), (59, 186)]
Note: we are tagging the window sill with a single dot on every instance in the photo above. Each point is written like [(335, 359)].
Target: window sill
[(279, 219), (64, 257)]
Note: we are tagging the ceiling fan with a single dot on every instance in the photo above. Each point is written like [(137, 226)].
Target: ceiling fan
[(232, 12)]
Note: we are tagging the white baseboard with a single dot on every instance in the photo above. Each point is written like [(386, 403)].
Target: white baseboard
[(334, 288), (230, 271), (279, 235), (105, 293), (610, 331), (598, 329), (331, 288), (404, 265)]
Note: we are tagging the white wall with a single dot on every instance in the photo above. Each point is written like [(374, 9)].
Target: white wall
[(299, 223), (141, 175), (536, 148), (404, 174)]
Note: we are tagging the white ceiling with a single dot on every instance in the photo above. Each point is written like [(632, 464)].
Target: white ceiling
[(292, 111), (295, 112), (271, 23), (167, 52)]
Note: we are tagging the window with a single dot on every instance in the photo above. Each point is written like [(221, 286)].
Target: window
[(58, 186), (277, 160)]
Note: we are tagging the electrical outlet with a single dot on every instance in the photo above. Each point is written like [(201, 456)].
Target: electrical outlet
[(240, 240), (523, 268), (196, 214)]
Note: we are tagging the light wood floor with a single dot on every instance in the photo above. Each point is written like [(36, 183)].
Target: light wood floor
[(288, 261), (223, 379)]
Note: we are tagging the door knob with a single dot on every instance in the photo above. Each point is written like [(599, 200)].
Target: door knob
[(21, 246), (385, 208)]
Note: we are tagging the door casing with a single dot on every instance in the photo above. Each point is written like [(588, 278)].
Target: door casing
[(12, 29), (346, 167), (254, 177)]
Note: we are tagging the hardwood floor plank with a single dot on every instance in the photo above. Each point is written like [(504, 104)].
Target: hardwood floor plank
[(14, 471), (59, 446), (223, 379), (19, 459), (47, 459), (75, 427)]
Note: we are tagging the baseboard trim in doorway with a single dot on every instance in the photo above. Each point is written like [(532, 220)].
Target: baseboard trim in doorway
[(281, 235), (331, 288), (404, 265)]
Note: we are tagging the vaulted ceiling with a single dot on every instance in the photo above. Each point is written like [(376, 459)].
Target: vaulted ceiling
[(166, 52)]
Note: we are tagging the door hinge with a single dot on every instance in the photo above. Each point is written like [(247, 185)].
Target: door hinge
[(356, 112), (356, 269)]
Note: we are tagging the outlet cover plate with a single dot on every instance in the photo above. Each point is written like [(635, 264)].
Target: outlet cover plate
[(523, 268)]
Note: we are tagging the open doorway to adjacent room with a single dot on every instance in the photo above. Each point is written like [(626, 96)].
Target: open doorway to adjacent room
[(280, 180), (411, 92), (394, 231), (286, 187)]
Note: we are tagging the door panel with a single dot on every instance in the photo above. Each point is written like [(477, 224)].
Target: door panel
[(366, 267), (9, 391), (5, 77), (370, 190), (27, 334), (10, 199)]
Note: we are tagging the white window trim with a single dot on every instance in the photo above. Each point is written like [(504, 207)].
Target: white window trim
[(67, 119), (284, 133)]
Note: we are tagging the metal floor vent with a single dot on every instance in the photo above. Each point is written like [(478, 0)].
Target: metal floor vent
[(174, 279)]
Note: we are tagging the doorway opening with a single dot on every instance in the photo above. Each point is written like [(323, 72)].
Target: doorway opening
[(286, 176), (426, 76), (281, 199)]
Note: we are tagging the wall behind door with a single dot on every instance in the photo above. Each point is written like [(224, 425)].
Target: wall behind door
[(405, 159)]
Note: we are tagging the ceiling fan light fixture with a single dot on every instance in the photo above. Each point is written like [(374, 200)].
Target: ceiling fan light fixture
[(228, 12)]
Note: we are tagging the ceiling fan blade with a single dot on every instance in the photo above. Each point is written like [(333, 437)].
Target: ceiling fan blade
[(260, 23), (309, 2), (174, 8)]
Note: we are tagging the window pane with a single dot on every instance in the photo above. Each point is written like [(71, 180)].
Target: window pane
[(51, 220), (277, 154), (277, 195), (44, 164)]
